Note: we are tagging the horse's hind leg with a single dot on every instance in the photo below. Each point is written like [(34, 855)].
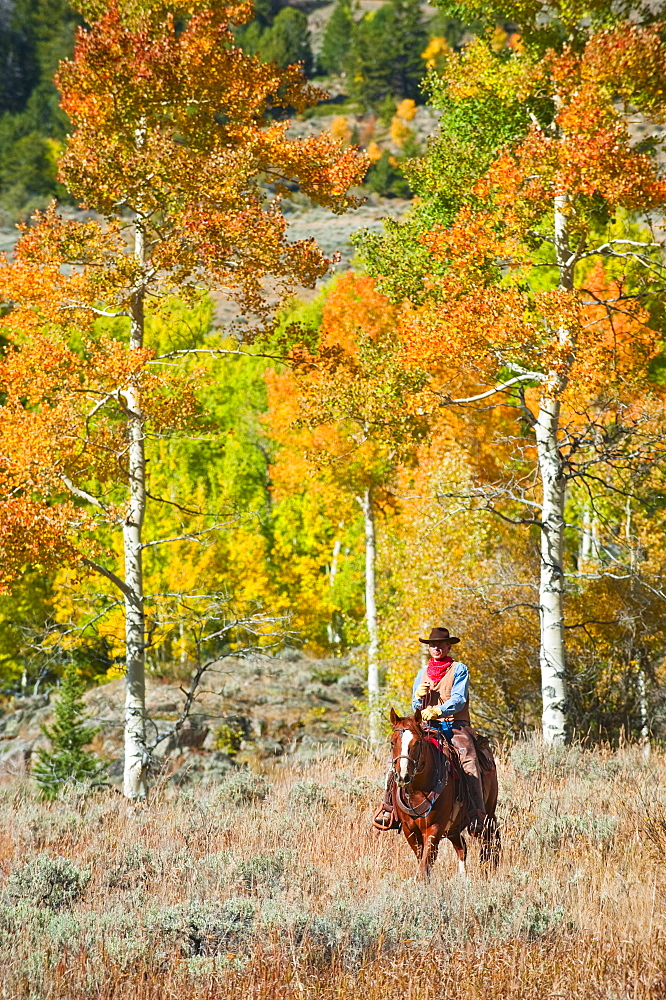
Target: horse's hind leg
[(491, 845), (460, 847)]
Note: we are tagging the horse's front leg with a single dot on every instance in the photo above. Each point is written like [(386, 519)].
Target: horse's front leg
[(414, 838), (460, 848), (432, 837)]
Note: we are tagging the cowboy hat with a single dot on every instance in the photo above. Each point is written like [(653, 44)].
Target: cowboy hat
[(439, 635)]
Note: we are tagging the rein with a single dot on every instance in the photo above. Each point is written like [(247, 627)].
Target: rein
[(430, 798)]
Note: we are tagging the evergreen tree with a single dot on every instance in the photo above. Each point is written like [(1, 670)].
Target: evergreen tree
[(385, 57), (68, 760), (248, 36), (337, 41), (287, 41), (34, 36)]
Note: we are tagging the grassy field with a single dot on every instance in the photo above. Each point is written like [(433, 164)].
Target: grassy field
[(276, 886)]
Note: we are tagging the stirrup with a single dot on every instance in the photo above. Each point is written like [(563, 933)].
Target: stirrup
[(385, 821)]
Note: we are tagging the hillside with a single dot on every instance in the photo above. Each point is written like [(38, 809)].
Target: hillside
[(259, 710)]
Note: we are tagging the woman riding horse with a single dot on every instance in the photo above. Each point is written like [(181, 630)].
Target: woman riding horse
[(441, 692)]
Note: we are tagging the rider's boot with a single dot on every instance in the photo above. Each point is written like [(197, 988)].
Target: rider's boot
[(386, 818), (477, 805)]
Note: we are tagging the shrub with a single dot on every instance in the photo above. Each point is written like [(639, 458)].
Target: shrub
[(135, 866), (599, 829), (353, 682), (262, 871), (385, 177), (354, 787), (242, 787), (308, 793), (46, 881), (204, 928), (538, 920), (362, 935), (229, 736), (323, 936), (534, 757)]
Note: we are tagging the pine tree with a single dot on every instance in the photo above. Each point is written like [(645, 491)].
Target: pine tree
[(287, 41), (34, 36), (385, 58), (68, 760), (337, 39)]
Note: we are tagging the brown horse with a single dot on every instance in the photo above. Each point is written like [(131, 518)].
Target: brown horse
[(430, 799)]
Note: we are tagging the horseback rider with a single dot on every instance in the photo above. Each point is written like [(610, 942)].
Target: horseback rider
[(441, 691)]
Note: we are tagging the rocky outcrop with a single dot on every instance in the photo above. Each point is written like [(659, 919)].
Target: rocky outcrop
[(246, 710)]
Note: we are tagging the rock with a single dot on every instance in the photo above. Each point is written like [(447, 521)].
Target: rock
[(116, 771), (31, 702), (319, 692), (268, 746), (352, 683), (210, 741), (310, 749), (290, 655), (192, 734), (267, 701), (16, 756), (205, 769)]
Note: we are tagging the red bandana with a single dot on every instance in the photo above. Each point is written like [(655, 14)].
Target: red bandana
[(437, 668)]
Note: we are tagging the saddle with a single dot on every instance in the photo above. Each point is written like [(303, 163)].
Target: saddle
[(484, 752), (482, 746), (438, 739), (484, 755)]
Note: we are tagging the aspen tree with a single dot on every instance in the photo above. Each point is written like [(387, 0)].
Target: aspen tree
[(534, 178), (173, 146)]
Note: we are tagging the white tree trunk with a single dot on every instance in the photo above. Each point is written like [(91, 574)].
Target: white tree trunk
[(589, 546), (551, 576), (644, 735), (643, 712), (551, 579), (334, 636), (135, 786), (424, 652), (366, 502)]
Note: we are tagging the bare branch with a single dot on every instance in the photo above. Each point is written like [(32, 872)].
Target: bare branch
[(526, 376), (215, 352), (513, 520), (82, 494), (594, 621), (98, 312), (605, 247), (190, 536), (109, 574)]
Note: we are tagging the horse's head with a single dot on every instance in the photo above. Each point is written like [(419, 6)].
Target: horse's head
[(407, 747)]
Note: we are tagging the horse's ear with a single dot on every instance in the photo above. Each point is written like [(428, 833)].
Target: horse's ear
[(394, 717), (417, 716)]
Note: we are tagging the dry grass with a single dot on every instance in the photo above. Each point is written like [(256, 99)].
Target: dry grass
[(196, 895)]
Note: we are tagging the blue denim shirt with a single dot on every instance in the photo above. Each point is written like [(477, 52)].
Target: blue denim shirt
[(459, 692)]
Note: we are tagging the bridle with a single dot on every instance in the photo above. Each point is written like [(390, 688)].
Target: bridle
[(419, 763), (424, 808)]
